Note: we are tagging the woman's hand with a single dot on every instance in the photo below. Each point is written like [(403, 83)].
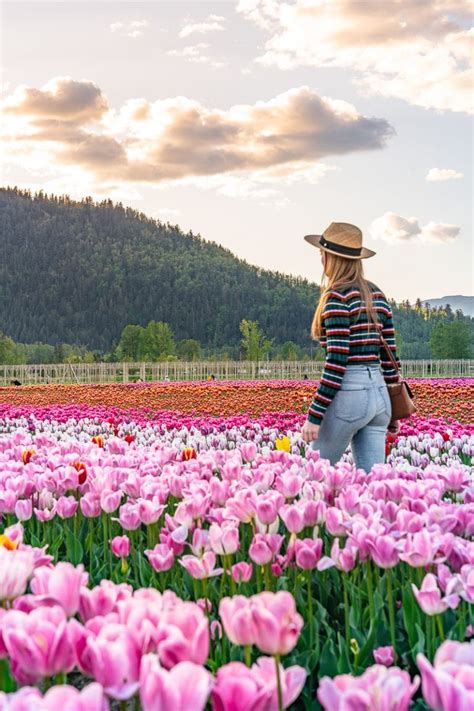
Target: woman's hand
[(394, 426), (309, 432)]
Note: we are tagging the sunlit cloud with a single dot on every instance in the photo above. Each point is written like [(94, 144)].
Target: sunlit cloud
[(395, 229), (435, 175), (132, 29), (421, 52), (247, 149), (195, 53), (213, 23)]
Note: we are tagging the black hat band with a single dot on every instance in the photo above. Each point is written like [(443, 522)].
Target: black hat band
[(350, 251)]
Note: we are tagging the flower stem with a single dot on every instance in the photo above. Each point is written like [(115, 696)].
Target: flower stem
[(370, 591), (439, 622), (310, 609), (347, 630), (391, 611), (247, 652), (279, 692)]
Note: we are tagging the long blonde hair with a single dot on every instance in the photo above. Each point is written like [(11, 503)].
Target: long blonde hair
[(340, 272)]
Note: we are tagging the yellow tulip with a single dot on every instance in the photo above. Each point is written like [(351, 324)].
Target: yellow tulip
[(283, 443)]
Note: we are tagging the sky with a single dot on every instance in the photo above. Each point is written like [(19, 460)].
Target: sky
[(255, 122)]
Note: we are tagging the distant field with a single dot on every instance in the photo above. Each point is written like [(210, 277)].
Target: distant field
[(433, 397)]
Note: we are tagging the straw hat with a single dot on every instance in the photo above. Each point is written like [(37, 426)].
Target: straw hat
[(343, 239)]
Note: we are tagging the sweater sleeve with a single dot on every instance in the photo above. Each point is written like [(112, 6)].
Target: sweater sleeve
[(336, 322), (389, 373)]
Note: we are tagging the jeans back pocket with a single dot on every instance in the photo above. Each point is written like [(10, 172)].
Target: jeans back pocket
[(351, 404)]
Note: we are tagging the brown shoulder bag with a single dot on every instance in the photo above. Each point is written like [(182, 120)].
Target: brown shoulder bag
[(400, 393)]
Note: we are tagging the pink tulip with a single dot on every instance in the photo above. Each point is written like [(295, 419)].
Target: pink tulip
[(120, 546), (264, 547), (112, 657), (129, 518), (239, 688), (344, 559), (24, 509), (248, 451), (308, 552), (102, 599), (335, 521), (447, 685), (110, 500), (90, 505), (62, 583), (187, 636), (200, 568), (224, 540), (242, 572), (184, 687), (384, 551), (267, 511), (419, 550), (293, 517), (17, 567), (39, 643), (90, 698), (235, 613), (161, 557), (377, 688), (149, 511), (66, 506), (429, 597), (384, 655), (276, 623)]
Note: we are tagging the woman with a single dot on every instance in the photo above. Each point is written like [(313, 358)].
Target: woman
[(351, 404)]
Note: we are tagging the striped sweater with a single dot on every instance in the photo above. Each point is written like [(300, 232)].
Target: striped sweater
[(348, 337)]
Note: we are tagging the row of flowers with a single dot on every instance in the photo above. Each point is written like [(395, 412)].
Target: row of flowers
[(421, 441), (226, 398), (168, 653), (379, 565)]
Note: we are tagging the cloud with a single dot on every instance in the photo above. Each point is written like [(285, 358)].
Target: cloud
[(132, 29), (438, 174), (193, 53), (419, 51), (68, 124), (395, 229), (61, 98), (213, 23)]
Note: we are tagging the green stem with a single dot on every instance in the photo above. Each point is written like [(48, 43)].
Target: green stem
[(105, 526), (310, 609), (439, 622), (248, 652), (347, 630), (268, 584), (391, 611), (279, 692), (370, 591)]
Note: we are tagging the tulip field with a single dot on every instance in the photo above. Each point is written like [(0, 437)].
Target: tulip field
[(178, 547)]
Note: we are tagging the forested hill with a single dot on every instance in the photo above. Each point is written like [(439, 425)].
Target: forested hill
[(78, 272)]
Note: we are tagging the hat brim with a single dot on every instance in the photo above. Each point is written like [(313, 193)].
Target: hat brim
[(314, 241)]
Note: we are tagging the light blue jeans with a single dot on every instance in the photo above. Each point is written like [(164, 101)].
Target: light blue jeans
[(359, 415)]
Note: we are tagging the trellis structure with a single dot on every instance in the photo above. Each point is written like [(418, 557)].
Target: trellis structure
[(201, 370)]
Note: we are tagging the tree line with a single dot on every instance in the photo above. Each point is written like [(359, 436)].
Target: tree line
[(93, 281)]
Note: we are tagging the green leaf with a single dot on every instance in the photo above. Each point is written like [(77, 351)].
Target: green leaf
[(74, 547), (328, 660), (411, 616), (343, 661)]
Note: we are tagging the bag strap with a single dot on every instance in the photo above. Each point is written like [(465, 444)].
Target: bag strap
[(388, 349)]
